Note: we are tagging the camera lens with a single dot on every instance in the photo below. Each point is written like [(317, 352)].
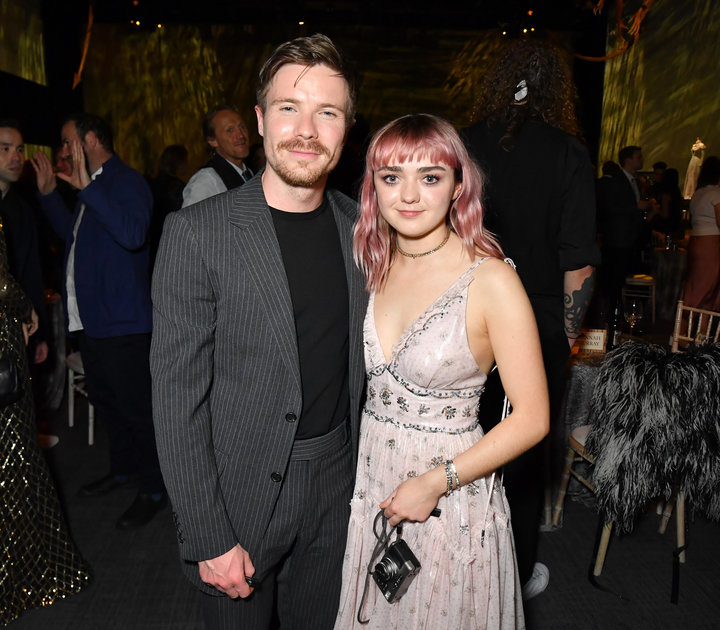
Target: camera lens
[(386, 568)]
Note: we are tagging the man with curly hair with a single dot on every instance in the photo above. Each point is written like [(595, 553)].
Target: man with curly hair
[(541, 204)]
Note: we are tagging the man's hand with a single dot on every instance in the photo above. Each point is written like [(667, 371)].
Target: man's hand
[(79, 177), (44, 173), (227, 572), (30, 327)]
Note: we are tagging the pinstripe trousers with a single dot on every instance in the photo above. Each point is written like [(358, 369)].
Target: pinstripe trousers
[(303, 547)]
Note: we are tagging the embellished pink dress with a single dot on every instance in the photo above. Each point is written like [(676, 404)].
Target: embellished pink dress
[(421, 410)]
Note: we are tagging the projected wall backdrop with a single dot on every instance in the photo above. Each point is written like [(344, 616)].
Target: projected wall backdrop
[(154, 87), (663, 92), (21, 40)]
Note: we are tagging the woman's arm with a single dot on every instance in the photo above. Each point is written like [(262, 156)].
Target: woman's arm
[(501, 326)]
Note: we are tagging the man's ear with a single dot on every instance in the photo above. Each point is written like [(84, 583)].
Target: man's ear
[(211, 141), (90, 141), (259, 114)]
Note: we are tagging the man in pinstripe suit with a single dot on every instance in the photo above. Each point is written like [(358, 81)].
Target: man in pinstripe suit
[(257, 361)]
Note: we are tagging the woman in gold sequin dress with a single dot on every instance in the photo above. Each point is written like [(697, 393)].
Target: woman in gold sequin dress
[(39, 563)]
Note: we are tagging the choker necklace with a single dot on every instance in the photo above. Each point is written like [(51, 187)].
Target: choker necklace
[(427, 253)]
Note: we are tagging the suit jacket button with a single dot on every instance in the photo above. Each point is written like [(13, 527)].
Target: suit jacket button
[(276, 477), (290, 417)]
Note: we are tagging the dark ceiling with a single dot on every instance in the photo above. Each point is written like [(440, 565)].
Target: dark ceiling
[(574, 15)]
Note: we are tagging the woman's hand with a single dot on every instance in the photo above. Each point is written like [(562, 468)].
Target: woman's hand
[(414, 499)]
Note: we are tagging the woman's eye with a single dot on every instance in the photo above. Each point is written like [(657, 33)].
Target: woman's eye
[(390, 179), (431, 179)]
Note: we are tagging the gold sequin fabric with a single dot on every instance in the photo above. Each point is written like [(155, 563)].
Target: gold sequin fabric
[(39, 563)]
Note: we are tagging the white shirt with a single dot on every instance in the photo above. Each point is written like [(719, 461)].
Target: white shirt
[(702, 211), (207, 183), (74, 321)]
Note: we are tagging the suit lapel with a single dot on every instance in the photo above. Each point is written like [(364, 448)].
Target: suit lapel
[(258, 247), (358, 300)]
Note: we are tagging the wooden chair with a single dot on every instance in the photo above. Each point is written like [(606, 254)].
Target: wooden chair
[(76, 382), (577, 452), (693, 325)]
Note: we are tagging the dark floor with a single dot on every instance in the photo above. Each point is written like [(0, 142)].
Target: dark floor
[(138, 583)]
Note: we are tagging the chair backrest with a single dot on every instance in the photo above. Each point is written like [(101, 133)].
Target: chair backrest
[(694, 325)]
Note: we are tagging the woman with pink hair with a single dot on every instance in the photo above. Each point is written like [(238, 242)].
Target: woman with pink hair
[(444, 309)]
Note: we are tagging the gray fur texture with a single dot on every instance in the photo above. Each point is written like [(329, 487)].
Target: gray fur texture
[(656, 427)]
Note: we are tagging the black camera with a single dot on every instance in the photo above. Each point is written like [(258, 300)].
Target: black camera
[(396, 570)]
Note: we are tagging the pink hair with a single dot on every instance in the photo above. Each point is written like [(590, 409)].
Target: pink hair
[(408, 137)]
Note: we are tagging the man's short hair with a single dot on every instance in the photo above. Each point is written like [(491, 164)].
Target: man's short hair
[(10, 123), (626, 153), (315, 50), (208, 125), (90, 122), (659, 166)]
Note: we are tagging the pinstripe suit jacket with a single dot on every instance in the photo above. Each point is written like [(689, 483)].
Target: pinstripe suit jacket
[(225, 366)]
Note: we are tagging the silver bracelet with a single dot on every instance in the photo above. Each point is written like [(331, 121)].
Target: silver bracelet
[(451, 476)]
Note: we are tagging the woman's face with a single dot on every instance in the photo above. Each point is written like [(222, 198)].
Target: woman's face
[(414, 197)]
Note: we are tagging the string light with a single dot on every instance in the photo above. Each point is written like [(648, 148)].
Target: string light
[(301, 23), (159, 25)]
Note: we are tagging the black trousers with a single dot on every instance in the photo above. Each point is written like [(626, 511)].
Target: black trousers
[(302, 551), (524, 478), (117, 371)]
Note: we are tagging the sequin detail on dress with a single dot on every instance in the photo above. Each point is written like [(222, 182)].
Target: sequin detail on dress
[(39, 563)]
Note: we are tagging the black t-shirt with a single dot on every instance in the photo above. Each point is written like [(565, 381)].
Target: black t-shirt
[(315, 268)]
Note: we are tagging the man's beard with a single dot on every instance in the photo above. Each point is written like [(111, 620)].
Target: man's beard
[(302, 175)]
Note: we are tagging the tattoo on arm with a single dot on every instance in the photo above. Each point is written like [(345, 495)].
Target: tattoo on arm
[(576, 304)]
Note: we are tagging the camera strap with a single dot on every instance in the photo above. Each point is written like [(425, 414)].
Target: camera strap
[(383, 540)]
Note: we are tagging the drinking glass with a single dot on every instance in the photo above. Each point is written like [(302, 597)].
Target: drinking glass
[(633, 307)]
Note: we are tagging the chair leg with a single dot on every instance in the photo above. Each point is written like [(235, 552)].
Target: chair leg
[(680, 522), (602, 548), (667, 513), (71, 397), (564, 481)]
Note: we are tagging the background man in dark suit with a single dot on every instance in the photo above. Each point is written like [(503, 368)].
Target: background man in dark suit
[(107, 295), (621, 224), (257, 360), (227, 137)]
